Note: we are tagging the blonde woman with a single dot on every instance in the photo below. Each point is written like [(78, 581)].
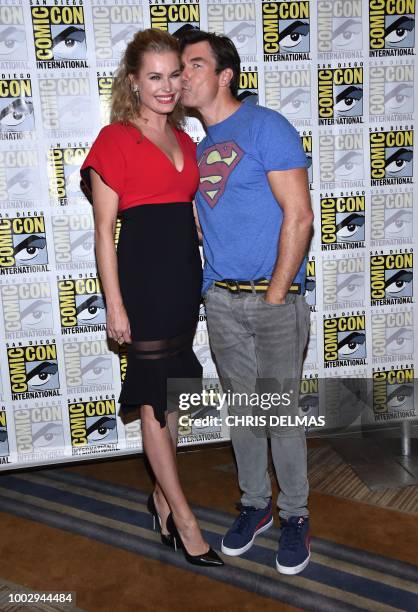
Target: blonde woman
[(143, 167)]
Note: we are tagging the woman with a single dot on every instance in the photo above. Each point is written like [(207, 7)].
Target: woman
[(143, 166)]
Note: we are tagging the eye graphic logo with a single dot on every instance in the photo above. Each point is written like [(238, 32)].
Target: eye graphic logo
[(39, 431), (391, 278), (339, 28), (286, 30), (391, 92), (93, 423), (88, 365), (309, 397), (175, 19), (392, 27), (59, 36), (343, 282), (393, 393), (33, 371), (248, 87), (73, 241), (392, 218), (344, 341), (341, 160), (393, 336), (19, 177), (16, 106), (342, 222), (65, 105), (216, 166), (340, 95), (12, 34), (238, 22), (4, 438), (81, 305), (27, 307), (25, 244), (114, 27), (391, 157)]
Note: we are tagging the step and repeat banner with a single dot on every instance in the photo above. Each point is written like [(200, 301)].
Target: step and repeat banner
[(342, 71)]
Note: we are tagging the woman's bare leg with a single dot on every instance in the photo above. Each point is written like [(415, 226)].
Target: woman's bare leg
[(158, 446), (160, 501)]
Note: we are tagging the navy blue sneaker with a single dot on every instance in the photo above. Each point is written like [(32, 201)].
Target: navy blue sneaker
[(248, 524), (294, 545)]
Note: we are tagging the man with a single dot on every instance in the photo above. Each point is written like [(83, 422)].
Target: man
[(255, 214)]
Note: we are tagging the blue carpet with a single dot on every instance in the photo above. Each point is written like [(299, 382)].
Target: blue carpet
[(337, 578)]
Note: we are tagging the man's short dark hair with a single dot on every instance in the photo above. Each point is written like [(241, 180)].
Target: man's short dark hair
[(223, 49)]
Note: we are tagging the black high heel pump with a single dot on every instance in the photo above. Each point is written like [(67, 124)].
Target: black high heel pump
[(210, 558), (168, 540)]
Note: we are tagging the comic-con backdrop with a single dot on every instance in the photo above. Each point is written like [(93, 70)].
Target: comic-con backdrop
[(342, 71)]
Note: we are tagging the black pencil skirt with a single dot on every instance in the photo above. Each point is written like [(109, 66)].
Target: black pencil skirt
[(160, 276)]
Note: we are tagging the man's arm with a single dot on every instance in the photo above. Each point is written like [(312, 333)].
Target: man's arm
[(291, 190)]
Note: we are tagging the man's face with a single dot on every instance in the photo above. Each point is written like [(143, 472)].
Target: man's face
[(200, 81)]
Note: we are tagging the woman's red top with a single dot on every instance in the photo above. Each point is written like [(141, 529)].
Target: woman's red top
[(137, 170)]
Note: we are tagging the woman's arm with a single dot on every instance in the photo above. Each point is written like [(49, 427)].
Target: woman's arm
[(105, 206)]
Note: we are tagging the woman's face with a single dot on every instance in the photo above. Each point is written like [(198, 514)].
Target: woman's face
[(159, 81)]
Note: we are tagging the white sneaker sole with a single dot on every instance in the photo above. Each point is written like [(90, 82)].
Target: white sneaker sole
[(234, 552), (290, 571)]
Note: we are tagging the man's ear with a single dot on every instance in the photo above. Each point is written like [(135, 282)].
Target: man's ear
[(225, 77)]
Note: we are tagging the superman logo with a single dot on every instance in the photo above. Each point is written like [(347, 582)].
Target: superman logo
[(216, 165)]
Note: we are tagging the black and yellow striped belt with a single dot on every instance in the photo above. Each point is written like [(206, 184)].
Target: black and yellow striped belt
[(258, 286)]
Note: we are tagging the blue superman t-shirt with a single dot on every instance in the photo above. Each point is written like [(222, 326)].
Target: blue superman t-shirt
[(238, 213)]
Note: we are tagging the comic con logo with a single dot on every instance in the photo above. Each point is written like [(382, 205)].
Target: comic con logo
[(16, 107), (19, 177), (311, 359), (175, 18), (12, 34), (289, 92), (339, 28), (59, 36), (306, 138), (343, 282), (23, 245), (27, 308), (4, 438), (63, 167), (391, 278), (114, 27), (286, 30), (391, 157), (73, 241), (393, 336), (81, 305), (65, 104), (393, 393), (342, 222), (310, 283), (88, 365), (248, 86), (341, 160), (391, 219), (340, 95), (391, 27), (39, 431), (93, 423), (344, 340), (309, 397), (391, 92), (33, 370), (238, 22), (104, 86)]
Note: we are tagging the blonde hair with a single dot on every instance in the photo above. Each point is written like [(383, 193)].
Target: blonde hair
[(124, 106)]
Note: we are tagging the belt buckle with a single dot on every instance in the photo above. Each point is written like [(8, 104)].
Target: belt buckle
[(233, 285)]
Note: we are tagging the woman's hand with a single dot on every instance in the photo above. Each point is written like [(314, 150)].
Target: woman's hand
[(117, 322)]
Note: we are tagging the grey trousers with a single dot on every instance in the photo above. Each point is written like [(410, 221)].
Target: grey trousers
[(251, 340)]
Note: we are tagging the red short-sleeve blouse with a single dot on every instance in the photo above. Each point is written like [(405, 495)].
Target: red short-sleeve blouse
[(137, 170)]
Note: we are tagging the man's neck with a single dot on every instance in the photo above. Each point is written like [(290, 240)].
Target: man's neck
[(219, 110)]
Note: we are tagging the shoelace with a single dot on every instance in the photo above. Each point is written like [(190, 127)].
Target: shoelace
[(291, 535), (244, 515)]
